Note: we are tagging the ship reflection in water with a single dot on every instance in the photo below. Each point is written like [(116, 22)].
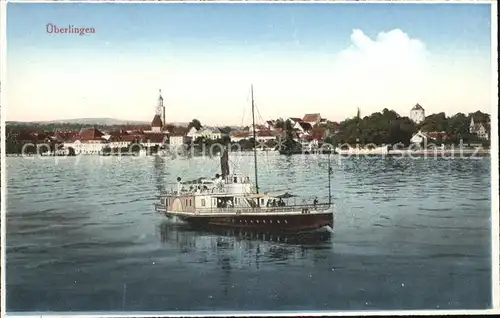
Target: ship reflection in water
[(244, 248), (169, 229)]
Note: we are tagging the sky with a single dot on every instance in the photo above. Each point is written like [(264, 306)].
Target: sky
[(300, 58)]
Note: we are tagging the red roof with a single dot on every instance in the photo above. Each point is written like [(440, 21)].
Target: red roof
[(264, 133), (437, 134), (260, 127), (130, 138), (311, 118), (88, 134), (157, 121), (154, 137), (120, 132), (64, 136), (240, 134)]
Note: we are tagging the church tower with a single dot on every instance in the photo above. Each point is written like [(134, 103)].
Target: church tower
[(159, 119), (160, 109), (472, 125)]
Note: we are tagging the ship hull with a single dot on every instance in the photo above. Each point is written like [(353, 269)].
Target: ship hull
[(285, 223)]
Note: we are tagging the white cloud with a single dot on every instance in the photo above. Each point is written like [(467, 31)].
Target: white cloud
[(389, 70)]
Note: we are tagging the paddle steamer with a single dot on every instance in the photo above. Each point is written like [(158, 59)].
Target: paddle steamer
[(232, 200)]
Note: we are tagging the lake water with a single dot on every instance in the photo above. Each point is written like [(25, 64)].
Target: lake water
[(82, 235)]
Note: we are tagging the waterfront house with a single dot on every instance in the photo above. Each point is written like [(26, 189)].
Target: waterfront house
[(177, 140), (118, 139), (89, 141), (154, 140), (481, 130), (265, 135), (420, 137), (209, 133), (237, 136), (260, 136)]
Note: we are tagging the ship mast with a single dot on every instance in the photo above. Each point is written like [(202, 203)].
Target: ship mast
[(254, 144), (329, 182)]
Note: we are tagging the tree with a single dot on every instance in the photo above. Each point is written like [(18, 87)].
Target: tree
[(458, 128), (71, 151), (279, 124), (289, 144), (435, 122), (195, 123), (385, 127)]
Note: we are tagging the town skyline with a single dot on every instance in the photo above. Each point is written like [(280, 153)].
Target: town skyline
[(325, 58), (114, 121)]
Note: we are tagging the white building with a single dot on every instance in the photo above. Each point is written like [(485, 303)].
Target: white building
[(240, 135), (177, 141), (118, 144), (420, 137), (150, 140), (264, 136), (192, 133), (417, 114), (478, 129), (210, 133), (89, 141), (87, 147)]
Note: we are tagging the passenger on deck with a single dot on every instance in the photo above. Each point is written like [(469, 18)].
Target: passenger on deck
[(315, 201), (281, 202)]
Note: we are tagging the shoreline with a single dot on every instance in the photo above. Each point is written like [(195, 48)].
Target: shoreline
[(448, 153)]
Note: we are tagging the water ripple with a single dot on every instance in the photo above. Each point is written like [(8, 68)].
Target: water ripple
[(409, 234)]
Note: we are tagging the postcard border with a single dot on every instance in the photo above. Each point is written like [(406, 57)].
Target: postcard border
[(495, 219)]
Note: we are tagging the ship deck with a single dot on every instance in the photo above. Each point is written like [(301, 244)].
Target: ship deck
[(320, 208)]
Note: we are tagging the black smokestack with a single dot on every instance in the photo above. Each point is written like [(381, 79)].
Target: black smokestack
[(224, 163)]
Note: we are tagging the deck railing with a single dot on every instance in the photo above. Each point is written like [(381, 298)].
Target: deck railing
[(213, 191), (304, 208)]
